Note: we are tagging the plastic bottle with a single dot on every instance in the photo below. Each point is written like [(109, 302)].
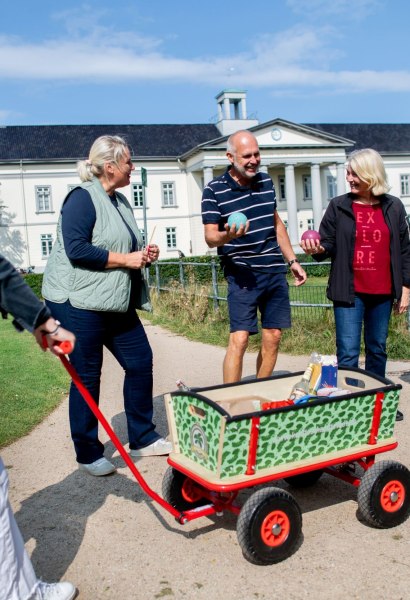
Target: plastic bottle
[(301, 388), (182, 386), (316, 362)]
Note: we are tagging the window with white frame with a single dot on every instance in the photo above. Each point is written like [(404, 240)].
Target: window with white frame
[(310, 224), (307, 187), (171, 233), (142, 232), (168, 193), (282, 189), (405, 185), (137, 195), (43, 198), (331, 187), (46, 244)]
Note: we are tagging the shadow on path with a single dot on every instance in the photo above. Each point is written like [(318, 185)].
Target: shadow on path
[(56, 516)]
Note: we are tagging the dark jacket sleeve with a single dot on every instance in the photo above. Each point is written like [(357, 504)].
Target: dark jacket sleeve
[(404, 245), (327, 231), (18, 299)]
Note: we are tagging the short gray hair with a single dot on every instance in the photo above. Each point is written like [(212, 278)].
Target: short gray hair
[(230, 144)]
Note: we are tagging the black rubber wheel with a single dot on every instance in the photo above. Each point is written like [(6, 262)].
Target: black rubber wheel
[(180, 491), (269, 526), (384, 494), (304, 479)]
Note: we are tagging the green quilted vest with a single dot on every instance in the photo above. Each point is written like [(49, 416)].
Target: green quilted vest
[(107, 290)]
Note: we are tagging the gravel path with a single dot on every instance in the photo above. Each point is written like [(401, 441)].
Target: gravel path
[(113, 542)]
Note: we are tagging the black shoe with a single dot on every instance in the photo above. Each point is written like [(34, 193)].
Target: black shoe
[(399, 416)]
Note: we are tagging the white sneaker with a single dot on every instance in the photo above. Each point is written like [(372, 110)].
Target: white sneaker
[(157, 448), (99, 467), (55, 591)]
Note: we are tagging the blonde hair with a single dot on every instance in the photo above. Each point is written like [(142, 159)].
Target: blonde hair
[(106, 148), (369, 167)]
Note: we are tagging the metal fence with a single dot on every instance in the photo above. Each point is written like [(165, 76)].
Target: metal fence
[(207, 279)]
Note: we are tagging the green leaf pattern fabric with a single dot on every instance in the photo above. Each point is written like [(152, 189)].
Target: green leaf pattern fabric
[(284, 437)]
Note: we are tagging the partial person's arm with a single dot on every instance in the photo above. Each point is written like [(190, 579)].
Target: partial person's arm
[(326, 248), (286, 248), (215, 238), (402, 305), (78, 221), (18, 299)]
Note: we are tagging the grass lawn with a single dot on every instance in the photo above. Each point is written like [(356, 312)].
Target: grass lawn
[(32, 383)]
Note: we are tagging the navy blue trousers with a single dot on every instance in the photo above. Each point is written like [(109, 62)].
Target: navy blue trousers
[(124, 335)]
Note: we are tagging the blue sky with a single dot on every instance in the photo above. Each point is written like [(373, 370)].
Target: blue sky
[(163, 61)]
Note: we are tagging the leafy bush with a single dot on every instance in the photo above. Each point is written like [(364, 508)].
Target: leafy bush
[(194, 268), (35, 281)]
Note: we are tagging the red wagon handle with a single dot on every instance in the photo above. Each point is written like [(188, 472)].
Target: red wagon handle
[(67, 349)]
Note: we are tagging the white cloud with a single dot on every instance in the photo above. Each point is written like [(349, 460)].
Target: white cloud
[(300, 58)]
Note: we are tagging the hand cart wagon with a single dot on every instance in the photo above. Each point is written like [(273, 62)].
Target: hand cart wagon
[(224, 443)]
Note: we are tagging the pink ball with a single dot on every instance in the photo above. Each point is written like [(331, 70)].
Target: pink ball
[(311, 234)]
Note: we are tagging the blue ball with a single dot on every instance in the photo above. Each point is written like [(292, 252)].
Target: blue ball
[(238, 219)]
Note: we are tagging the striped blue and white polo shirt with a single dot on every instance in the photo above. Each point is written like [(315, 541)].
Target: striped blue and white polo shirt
[(258, 249)]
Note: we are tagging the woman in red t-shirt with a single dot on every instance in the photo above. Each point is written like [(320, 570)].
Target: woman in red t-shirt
[(365, 234)]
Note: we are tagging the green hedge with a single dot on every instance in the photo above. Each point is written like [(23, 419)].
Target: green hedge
[(35, 281), (203, 275), (169, 270), (317, 269), (199, 274)]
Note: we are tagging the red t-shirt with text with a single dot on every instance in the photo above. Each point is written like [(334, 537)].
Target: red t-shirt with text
[(371, 261)]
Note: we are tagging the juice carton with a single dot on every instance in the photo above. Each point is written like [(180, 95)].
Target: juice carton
[(329, 371)]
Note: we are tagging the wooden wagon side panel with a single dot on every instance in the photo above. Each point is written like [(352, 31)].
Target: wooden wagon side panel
[(236, 448), (388, 417), (314, 431), (199, 428)]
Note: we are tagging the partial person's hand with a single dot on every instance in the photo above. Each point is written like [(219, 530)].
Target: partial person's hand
[(137, 260), (153, 252), (311, 246), (233, 232), (53, 334), (298, 273), (403, 305)]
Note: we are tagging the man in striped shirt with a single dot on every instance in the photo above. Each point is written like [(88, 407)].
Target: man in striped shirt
[(253, 256)]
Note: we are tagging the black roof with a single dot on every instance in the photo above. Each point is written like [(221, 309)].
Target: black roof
[(386, 138), (65, 142), (73, 142)]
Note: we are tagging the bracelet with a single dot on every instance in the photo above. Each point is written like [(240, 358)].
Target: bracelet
[(290, 263), (54, 330)]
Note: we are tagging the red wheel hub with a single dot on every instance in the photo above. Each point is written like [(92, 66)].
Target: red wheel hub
[(275, 528), (190, 491), (392, 496)]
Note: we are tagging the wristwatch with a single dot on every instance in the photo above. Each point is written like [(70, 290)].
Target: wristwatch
[(290, 263)]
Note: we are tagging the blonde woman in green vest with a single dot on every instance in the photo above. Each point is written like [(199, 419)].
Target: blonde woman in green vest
[(93, 283)]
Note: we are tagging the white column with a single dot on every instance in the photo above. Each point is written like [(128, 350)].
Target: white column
[(316, 195), (220, 113), (208, 174), (290, 191), (341, 179), (243, 108), (227, 108)]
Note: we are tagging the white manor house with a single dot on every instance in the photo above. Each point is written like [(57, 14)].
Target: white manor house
[(305, 161)]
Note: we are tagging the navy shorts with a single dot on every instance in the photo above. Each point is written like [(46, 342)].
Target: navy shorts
[(249, 291)]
